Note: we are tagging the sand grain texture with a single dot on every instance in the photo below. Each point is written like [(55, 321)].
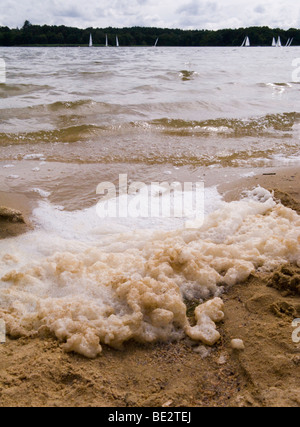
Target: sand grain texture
[(38, 373)]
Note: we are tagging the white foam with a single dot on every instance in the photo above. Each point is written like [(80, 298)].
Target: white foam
[(287, 160), (248, 174), (90, 281), (86, 225), (214, 129), (42, 193), (34, 157)]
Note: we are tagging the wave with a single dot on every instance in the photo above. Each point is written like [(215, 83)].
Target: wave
[(275, 125), (8, 90), (63, 114), (265, 125), (66, 135), (83, 106), (279, 84)]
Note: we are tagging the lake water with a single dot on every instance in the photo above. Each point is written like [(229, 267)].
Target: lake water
[(71, 118), (95, 113)]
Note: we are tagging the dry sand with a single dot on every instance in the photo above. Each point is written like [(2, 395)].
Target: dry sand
[(36, 372)]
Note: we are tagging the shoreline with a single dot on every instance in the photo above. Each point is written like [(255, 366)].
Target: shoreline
[(284, 183), (36, 371)]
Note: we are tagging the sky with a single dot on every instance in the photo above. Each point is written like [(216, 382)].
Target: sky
[(185, 14)]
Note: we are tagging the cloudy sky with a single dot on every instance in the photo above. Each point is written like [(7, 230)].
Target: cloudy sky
[(187, 14)]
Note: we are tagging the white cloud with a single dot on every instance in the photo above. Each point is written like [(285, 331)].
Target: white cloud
[(197, 14)]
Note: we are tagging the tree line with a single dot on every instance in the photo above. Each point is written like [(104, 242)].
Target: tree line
[(34, 35)]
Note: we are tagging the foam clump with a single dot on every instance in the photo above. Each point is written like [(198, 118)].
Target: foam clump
[(206, 315), (133, 285)]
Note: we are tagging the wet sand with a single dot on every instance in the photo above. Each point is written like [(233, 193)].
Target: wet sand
[(36, 372), (285, 183), (12, 225)]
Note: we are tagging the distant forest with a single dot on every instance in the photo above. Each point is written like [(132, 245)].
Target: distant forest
[(36, 35)]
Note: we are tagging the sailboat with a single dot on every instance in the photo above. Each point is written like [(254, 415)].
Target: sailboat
[(287, 43), (274, 44), (91, 41), (155, 44), (279, 42), (290, 42), (106, 42), (117, 41), (246, 42)]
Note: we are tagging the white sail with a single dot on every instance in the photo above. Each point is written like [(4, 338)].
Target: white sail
[(279, 42), (106, 42), (274, 44), (246, 42), (117, 41), (156, 42), (287, 43), (91, 41), (290, 43)]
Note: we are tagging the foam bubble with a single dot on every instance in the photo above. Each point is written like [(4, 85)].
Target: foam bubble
[(91, 285)]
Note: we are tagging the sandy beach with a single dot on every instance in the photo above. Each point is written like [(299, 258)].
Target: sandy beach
[(37, 372)]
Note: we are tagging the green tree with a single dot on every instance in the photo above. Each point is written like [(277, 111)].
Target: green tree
[(27, 25)]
